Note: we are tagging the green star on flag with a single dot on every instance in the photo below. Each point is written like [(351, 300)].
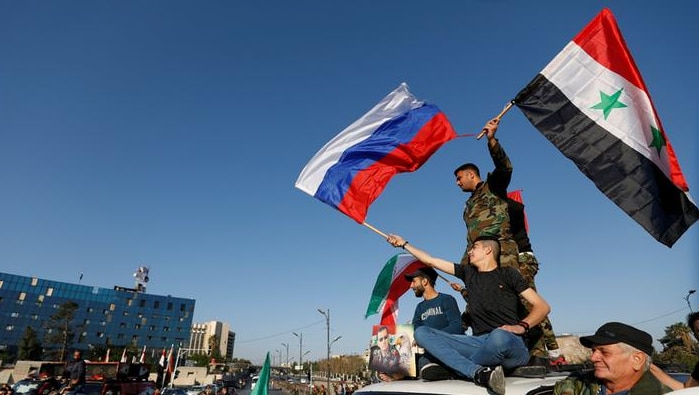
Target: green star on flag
[(608, 103), (658, 140)]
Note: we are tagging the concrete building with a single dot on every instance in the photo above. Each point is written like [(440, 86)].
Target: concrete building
[(120, 316), (199, 342)]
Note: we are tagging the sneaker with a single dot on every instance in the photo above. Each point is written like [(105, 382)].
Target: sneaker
[(491, 378), (434, 372)]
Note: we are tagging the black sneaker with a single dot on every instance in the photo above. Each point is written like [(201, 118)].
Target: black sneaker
[(434, 372), (491, 378)]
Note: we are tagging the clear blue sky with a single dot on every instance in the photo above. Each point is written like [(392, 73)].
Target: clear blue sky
[(170, 134)]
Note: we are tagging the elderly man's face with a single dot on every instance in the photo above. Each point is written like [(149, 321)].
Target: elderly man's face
[(612, 363)]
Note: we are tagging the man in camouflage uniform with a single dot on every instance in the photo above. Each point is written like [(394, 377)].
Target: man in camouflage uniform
[(541, 338), (485, 213)]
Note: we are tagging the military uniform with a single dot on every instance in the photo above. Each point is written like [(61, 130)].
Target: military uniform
[(541, 338), (486, 213)]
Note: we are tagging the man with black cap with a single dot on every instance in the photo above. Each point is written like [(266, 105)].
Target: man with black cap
[(436, 310), (494, 293), (621, 355)]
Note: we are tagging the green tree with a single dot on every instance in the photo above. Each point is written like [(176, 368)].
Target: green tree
[(214, 347), (199, 360), (60, 331), (678, 348), (29, 346)]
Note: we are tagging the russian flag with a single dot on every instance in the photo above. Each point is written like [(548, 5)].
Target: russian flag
[(398, 135)]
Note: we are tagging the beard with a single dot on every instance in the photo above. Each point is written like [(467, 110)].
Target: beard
[(419, 292)]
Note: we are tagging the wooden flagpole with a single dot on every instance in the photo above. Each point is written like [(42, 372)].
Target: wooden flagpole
[(503, 112), (385, 236)]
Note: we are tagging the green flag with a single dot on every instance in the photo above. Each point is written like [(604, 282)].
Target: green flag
[(262, 386)]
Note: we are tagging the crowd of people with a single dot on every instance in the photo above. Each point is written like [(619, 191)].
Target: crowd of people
[(508, 319)]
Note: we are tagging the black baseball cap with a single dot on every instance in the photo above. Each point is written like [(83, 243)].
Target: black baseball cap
[(616, 332), (426, 272)]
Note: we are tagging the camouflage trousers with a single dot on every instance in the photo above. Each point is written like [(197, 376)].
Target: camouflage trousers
[(541, 338)]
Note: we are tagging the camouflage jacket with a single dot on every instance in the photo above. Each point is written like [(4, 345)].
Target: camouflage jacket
[(588, 385), (486, 213)]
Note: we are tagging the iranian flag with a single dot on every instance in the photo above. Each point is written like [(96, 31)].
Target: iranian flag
[(593, 105), (390, 285)]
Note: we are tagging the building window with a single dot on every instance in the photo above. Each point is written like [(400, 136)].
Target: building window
[(35, 317), (120, 336), (166, 329), (126, 313), (21, 296), (1, 283), (137, 326), (100, 334), (14, 315), (169, 305), (86, 322), (156, 304), (112, 306), (9, 327), (129, 301), (122, 325), (40, 299), (183, 307), (49, 292), (142, 303), (90, 309), (34, 281)]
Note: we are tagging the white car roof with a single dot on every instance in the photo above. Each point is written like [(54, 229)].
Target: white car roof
[(513, 386)]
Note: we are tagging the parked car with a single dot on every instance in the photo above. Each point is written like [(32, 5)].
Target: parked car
[(253, 382), (174, 391)]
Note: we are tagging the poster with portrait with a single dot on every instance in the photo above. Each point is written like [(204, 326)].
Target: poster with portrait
[(392, 350)]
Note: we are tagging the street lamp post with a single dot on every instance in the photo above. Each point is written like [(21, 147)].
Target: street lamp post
[(287, 353), (326, 313), (691, 291), (300, 336)]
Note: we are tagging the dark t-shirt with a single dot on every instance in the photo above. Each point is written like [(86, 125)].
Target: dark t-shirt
[(493, 297), (77, 371)]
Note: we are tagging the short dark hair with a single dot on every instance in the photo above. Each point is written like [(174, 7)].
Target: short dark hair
[(468, 166), (691, 318)]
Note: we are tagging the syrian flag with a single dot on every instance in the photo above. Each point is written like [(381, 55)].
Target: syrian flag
[(593, 105), (162, 360), (398, 135), (517, 197), (170, 360), (142, 359), (391, 285)]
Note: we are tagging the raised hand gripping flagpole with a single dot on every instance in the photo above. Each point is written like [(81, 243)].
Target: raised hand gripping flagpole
[(503, 112)]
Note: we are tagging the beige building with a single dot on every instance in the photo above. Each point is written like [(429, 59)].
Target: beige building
[(200, 341)]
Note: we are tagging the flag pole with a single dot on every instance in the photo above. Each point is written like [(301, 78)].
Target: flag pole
[(382, 234), (503, 112), (386, 236)]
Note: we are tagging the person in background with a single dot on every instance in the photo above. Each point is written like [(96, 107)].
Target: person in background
[(693, 380), (621, 355)]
